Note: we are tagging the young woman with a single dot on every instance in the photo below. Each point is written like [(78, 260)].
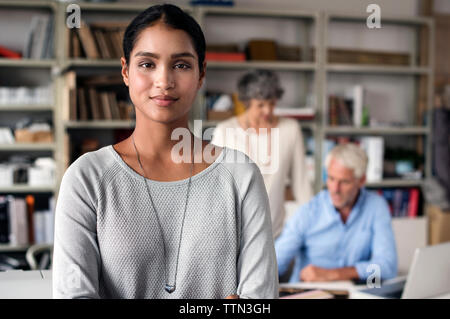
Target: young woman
[(251, 133), (132, 221)]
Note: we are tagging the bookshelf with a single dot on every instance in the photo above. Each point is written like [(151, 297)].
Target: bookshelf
[(313, 75)]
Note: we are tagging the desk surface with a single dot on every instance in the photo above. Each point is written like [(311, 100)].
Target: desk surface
[(30, 284)]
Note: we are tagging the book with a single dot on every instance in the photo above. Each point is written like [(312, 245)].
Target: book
[(29, 200), (397, 202), (413, 204), (7, 53), (262, 50), (39, 227), (87, 41), (94, 104), (374, 147), (358, 101), (40, 36), (104, 48), (82, 105), (17, 215), (106, 107), (301, 113), (115, 112), (225, 56), (4, 222)]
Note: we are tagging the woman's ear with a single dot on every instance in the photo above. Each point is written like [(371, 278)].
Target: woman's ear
[(202, 76), (124, 71)]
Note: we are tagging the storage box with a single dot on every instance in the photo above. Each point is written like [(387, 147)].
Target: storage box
[(26, 136), (219, 115), (439, 225), (6, 175)]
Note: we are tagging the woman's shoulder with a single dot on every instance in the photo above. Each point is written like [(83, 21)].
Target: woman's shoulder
[(239, 165), (90, 165), (231, 122), (289, 123)]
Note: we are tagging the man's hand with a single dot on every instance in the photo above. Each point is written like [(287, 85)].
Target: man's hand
[(233, 297), (314, 273)]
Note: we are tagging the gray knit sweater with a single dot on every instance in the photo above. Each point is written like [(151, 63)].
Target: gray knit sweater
[(108, 243)]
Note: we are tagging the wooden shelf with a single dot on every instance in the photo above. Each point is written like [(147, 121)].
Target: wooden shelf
[(110, 63), (348, 130), (388, 19), (271, 65), (13, 248), (26, 107), (99, 124), (121, 7), (377, 69), (28, 147), (395, 183), (28, 63), (28, 4), (24, 188), (235, 11)]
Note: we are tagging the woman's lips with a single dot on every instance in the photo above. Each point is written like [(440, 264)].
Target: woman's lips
[(164, 100)]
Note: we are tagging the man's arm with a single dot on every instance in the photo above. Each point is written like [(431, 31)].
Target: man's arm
[(314, 273), (290, 241)]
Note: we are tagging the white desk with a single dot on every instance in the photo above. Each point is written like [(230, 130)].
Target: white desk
[(30, 284), (348, 286)]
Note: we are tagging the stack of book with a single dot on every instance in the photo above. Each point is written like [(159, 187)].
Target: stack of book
[(348, 110), (97, 40), (21, 224), (403, 202), (95, 98), (39, 41)]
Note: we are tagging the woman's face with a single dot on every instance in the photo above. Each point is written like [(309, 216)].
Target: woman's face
[(261, 111), (163, 74)]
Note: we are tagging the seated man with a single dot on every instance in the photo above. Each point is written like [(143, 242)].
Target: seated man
[(343, 232)]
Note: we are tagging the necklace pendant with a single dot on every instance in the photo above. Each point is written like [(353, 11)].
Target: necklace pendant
[(169, 288)]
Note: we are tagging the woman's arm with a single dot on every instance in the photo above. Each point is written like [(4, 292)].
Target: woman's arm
[(301, 187), (76, 258), (257, 266)]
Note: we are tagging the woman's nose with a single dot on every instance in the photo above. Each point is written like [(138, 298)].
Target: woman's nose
[(164, 79)]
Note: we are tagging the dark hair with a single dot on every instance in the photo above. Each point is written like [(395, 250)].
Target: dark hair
[(173, 17), (259, 84)]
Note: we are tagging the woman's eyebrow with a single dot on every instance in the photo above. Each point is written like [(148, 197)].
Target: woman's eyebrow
[(173, 56)]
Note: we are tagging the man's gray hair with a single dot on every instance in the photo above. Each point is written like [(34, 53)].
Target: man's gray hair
[(351, 156), (259, 84)]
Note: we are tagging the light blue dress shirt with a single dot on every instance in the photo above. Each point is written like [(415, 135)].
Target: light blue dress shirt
[(316, 235)]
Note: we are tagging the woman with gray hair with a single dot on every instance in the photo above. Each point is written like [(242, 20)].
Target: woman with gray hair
[(274, 144)]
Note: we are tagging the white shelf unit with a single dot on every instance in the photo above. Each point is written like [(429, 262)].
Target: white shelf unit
[(22, 68), (415, 70)]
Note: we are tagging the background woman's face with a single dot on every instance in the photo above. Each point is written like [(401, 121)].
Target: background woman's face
[(163, 74), (261, 110)]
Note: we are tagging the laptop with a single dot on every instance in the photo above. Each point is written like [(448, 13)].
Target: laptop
[(428, 277)]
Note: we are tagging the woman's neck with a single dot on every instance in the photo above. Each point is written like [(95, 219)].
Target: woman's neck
[(155, 138)]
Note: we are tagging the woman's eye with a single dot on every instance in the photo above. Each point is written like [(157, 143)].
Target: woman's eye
[(146, 65), (182, 66)]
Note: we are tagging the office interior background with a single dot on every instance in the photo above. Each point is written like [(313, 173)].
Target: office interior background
[(345, 79)]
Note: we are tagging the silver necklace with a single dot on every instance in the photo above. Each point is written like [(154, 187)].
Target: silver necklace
[(168, 287)]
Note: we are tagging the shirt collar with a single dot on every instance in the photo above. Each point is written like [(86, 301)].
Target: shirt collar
[(356, 207)]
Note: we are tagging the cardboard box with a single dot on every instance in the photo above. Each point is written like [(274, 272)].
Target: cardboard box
[(219, 115), (26, 136), (439, 225)]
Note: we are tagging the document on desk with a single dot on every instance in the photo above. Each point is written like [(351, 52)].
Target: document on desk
[(344, 285)]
